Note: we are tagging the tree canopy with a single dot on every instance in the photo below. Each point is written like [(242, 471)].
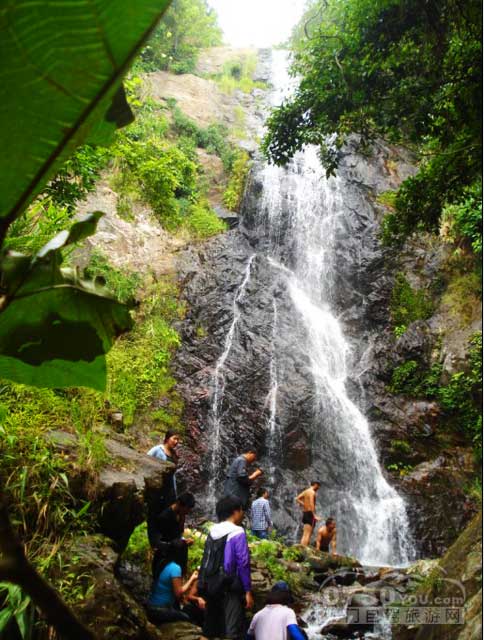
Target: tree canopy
[(187, 27), (407, 71)]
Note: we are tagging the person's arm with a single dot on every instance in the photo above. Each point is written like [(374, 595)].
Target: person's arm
[(253, 476), (268, 515), (312, 498), (333, 544), (318, 539), (157, 452), (294, 632), (300, 498), (179, 589), (242, 564)]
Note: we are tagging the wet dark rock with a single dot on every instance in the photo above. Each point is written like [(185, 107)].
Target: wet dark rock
[(364, 279), (458, 579), (110, 610), (438, 500)]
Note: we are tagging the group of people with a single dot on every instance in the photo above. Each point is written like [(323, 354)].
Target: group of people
[(217, 595)]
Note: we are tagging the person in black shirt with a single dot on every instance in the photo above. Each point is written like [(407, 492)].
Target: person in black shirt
[(238, 480), (170, 525)]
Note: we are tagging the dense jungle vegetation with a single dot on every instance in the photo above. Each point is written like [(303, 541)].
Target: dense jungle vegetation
[(407, 71)]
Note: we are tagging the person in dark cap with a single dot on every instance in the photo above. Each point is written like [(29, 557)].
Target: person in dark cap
[(276, 621)]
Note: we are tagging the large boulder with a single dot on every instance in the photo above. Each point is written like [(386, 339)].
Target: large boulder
[(455, 583), (120, 491)]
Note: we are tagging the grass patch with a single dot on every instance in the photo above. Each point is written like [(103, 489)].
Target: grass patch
[(407, 304), (233, 195)]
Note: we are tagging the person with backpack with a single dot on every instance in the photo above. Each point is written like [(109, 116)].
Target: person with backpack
[(169, 590), (276, 621), (224, 578)]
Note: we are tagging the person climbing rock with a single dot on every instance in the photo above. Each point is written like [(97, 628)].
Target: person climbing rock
[(307, 500), (169, 526), (276, 621), (326, 537), (160, 500), (224, 580), (168, 588), (260, 515), (238, 480)]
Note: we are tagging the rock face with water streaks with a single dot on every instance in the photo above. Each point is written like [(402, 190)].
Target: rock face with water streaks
[(298, 361)]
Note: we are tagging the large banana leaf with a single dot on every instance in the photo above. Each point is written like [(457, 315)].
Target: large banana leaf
[(61, 64)]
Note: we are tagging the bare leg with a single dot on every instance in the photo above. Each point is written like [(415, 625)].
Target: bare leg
[(306, 536)]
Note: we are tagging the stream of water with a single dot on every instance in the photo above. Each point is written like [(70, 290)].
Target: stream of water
[(300, 220)]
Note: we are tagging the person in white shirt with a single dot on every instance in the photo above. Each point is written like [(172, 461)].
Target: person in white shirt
[(276, 621)]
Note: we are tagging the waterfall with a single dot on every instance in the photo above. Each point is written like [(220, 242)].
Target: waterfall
[(274, 435), (219, 386), (302, 217), (297, 224)]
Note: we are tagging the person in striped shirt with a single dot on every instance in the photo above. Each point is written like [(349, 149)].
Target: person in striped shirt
[(260, 515)]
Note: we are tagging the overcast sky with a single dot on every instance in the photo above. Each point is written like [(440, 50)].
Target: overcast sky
[(259, 23)]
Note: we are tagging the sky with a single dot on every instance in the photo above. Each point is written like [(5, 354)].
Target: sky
[(259, 23)]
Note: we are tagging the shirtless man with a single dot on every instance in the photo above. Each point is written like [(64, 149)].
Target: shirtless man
[(307, 500), (327, 536)]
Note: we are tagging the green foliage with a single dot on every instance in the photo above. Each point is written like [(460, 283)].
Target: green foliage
[(238, 75), (139, 364), (214, 138), (122, 284), (202, 221), (463, 296), (195, 554), (235, 189), (16, 604), (462, 221), (407, 304), (138, 549), (269, 553), (34, 228), (460, 398), (32, 473), (401, 446), (400, 468), (54, 327), (77, 177), (187, 27), (404, 377), (403, 70), (78, 101)]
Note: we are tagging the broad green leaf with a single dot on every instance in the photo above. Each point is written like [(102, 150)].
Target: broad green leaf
[(55, 327), (83, 228), (61, 67), (57, 337)]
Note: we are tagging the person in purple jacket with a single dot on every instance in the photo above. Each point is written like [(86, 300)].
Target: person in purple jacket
[(225, 612)]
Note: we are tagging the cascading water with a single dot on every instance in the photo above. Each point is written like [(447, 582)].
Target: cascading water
[(219, 386), (299, 230)]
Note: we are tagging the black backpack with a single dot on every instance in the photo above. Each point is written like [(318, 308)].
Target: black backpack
[(212, 579)]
